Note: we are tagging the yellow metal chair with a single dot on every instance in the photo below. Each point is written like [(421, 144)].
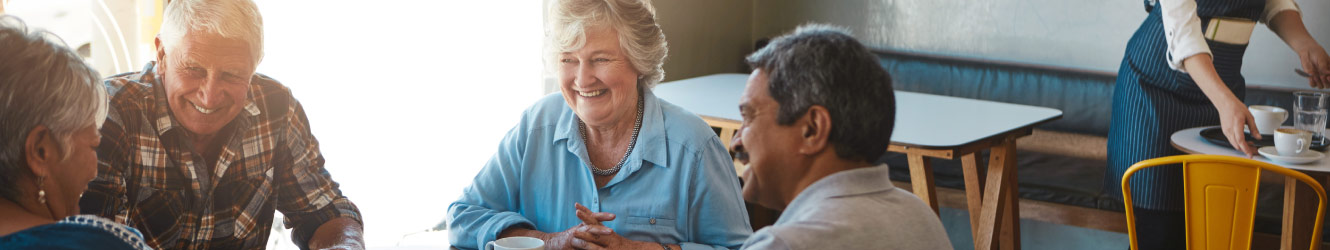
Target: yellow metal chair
[(1220, 193)]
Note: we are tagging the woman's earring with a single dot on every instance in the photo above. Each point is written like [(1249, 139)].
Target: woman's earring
[(41, 192)]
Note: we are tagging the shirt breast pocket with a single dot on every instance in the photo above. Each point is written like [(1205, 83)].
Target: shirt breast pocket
[(242, 207), (655, 229), (160, 210)]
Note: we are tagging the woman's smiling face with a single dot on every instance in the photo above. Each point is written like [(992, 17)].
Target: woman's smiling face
[(597, 80)]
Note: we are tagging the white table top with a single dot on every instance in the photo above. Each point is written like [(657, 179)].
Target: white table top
[(921, 119), (1190, 141)]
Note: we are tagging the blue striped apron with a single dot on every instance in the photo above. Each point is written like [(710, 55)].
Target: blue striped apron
[(1151, 101)]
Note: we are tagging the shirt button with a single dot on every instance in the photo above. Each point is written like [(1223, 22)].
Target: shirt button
[(653, 221)]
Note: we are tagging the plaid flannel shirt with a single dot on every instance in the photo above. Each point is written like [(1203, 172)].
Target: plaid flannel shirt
[(149, 176)]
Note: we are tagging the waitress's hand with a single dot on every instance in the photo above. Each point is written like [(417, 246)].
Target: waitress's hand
[(1233, 116), (1317, 64)]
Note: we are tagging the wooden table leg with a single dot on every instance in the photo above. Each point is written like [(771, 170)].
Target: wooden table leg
[(1001, 169), (1011, 232), (1299, 213), (974, 191), (921, 178)]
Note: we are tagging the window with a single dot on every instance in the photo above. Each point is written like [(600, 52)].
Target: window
[(408, 99)]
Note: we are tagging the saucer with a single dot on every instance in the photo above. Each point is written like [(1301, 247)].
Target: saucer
[(1307, 156)]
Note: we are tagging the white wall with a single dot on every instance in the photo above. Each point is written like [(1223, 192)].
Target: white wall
[(1086, 34)]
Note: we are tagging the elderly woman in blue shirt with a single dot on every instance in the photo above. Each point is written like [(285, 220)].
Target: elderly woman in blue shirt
[(605, 164)]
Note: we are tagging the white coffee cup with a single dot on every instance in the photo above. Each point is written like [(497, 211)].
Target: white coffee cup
[(1292, 142), (517, 243), (1268, 118)]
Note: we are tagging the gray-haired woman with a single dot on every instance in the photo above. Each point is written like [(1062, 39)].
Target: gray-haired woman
[(51, 105), (605, 164)]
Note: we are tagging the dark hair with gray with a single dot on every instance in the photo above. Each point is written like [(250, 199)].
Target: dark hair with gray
[(42, 83), (823, 65)]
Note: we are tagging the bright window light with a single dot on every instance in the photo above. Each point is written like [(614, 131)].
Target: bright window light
[(408, 99)]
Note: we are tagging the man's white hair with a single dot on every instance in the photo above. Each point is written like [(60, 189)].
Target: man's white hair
[(236, 19)]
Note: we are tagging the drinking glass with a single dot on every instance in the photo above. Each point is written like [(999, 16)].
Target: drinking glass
[(1309, 114)]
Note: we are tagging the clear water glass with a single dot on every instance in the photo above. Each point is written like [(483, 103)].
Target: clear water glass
[(1313, 121), (1309, 113)]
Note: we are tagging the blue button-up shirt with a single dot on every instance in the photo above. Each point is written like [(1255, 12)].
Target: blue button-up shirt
[(678, 185)]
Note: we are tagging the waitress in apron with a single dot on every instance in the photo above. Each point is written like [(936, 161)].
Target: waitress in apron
[(1182, 69)]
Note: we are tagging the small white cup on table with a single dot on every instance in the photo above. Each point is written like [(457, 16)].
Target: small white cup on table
[(1292, 142), (1268, 118), (516, 243)]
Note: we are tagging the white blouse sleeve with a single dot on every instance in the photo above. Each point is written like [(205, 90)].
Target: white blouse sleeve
[(1273, 7), (1182, 31)]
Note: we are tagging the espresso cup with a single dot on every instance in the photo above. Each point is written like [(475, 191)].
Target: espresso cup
[(1268, 118), (1292, 142), (516, 243)]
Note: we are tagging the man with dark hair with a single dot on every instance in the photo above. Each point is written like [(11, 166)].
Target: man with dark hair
[(816, 112)]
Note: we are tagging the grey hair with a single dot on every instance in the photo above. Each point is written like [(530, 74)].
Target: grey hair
[(635, 20), (42, 83), (236, 19), (824, 65)]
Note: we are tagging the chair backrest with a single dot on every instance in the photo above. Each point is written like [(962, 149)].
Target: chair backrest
[(1220, 193)]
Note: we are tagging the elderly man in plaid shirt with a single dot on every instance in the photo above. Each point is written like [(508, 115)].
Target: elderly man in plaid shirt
[(199, 150)]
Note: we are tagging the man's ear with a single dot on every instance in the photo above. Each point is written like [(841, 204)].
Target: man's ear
[(40, 150), (161, 52), (816, 124)]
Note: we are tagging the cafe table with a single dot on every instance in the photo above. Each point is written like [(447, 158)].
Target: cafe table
[(927, 126), (1299, 200)]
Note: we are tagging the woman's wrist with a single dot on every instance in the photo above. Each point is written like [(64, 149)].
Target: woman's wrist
[(1227, 102), (519, 230), (1304, 49)]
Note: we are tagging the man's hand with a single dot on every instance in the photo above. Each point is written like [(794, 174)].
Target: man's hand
[(339, 234)]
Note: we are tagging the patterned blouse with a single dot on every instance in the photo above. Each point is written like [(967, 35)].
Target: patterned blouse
[(76, 232)]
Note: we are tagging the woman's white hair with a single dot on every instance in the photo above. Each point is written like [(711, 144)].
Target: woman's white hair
[(42, 83), (236, 19), (635, 20)]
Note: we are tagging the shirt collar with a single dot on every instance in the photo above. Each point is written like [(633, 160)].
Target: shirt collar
[(166, 121), (844, 183), (651, 144)]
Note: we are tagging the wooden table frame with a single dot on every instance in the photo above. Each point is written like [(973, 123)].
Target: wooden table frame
[(991, 198), (1299, 212)]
